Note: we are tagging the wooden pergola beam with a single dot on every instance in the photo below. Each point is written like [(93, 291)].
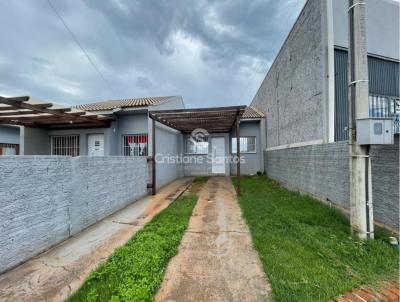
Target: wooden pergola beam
[(42, 114)]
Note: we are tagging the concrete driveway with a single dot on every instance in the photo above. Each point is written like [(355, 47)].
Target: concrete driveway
[(216, 259), (54, 275)]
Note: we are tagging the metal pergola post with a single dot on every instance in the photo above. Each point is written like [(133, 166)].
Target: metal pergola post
[(153, 157), (238, 153)]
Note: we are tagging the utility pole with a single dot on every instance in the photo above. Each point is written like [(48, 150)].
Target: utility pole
[(361, 211)]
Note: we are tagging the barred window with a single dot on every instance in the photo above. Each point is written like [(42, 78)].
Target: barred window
[(66, 145), (385, 106), (196, 145), (247, 144), (135, 145)]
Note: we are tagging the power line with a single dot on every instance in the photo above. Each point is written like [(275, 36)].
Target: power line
[(79, 45)]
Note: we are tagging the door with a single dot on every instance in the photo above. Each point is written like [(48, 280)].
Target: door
[(96, 145), (218, 155)]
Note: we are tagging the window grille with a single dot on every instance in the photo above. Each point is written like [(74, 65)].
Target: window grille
[(135, 145), (65, 145), (9, 149), (247, 144), (385, 106), (196, 145)]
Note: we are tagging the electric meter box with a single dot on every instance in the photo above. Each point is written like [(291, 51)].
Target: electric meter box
[(375, 131)]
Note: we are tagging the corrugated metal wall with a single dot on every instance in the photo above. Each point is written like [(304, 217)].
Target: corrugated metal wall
[(383, 81), (341, 95)]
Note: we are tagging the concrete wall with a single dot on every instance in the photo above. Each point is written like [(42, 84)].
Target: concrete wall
[(382, 26), (46, 199), (252, 161), (9, 134), (322, 170), (168, 146), (293, 94)]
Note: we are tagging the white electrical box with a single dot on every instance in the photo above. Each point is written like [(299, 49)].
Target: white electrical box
[(375, 131)]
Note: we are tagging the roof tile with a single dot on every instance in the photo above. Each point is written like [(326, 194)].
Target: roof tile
[(122, 103)]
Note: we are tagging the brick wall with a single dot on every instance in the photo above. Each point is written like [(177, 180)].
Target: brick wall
[(323, 171), (46, 199)]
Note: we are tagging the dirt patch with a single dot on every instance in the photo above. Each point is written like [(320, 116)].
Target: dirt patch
[(216, 260)]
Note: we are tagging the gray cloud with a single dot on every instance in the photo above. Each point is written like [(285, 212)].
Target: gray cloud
[(210, 52)]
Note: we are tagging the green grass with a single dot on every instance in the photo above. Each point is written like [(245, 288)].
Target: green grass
[(306, 247), (135, 271)]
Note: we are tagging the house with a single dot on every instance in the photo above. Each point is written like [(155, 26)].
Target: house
[(126, 134), (9, 140), (124, 128), (304, 96)]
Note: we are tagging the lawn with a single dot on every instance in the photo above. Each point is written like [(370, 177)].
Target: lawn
[(306, 248), (134, 272)]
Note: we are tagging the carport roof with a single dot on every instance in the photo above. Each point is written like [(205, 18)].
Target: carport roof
[(217, 119)]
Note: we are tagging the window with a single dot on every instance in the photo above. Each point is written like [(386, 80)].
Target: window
[(66, 145), (385, 106), (135, 145), (196, 145), (9, 149), (247, 144)]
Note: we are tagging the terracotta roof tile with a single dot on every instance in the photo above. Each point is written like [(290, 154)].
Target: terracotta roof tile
[(252, 112), (122, 103)]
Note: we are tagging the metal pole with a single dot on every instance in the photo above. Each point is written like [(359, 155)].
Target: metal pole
[(361, 217), (153, 157), (238, 153)]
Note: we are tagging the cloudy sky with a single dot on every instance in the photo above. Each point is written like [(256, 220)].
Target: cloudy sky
[(213, 53)]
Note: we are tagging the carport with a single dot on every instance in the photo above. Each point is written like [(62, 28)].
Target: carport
[(213, 120)]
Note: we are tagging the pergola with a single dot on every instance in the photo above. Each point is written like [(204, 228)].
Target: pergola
[(18, 111), (214, 120)]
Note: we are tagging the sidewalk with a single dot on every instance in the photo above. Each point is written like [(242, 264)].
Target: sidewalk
[(216, 260), (55, 274)]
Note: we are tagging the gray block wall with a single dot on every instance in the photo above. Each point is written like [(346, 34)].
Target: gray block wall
[(386, 182), (323, 171), (103, 185), (46, 199), (293, 93)]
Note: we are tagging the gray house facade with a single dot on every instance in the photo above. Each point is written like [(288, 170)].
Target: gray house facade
[(130, 134), (304, 97)]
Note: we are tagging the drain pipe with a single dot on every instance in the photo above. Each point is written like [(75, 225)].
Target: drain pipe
[(368, 195)]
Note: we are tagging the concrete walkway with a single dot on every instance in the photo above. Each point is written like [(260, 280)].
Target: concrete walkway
[(216, 260), (54, 275)]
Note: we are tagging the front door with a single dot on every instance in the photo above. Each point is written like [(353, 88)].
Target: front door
[(218, 155), (96, 145)]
